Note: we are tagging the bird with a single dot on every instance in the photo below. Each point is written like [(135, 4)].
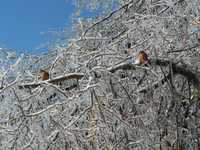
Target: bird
[(128, 50), (43, 75), (141, 59), (128, 45)]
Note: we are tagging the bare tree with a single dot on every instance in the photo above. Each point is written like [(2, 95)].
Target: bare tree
[(96, 97)]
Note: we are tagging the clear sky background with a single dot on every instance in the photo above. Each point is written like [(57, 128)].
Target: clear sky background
[(23, 21)]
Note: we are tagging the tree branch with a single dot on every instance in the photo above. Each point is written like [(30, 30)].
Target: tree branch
[(184, 70), (55, 80)]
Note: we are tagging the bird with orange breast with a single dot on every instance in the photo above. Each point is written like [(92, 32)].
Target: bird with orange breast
[(43, 75), (141, 58)]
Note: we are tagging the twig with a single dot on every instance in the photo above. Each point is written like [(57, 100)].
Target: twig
[(185, 49), (107, 17)]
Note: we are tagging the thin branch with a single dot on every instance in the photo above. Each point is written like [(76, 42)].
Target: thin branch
[(49, 107), (107, 17), (185, 49)]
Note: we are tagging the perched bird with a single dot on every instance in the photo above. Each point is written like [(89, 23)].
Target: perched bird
[(128, 50), (141, 59), (128, 45), (43, 75)]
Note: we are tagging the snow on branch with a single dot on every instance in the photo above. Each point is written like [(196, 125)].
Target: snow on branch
[(55, 80), (186, 71)]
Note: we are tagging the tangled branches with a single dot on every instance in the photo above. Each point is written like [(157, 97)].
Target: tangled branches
[(97, 98)]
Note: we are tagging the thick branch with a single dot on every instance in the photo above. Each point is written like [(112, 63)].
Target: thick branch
[(154, 85), (186, 71), (123, 66), (55, 80), (67, 77)]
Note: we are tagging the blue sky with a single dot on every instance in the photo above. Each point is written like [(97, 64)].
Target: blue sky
[(23, 21)]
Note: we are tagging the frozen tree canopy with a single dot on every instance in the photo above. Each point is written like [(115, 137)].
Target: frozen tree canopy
[(96, 97)]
